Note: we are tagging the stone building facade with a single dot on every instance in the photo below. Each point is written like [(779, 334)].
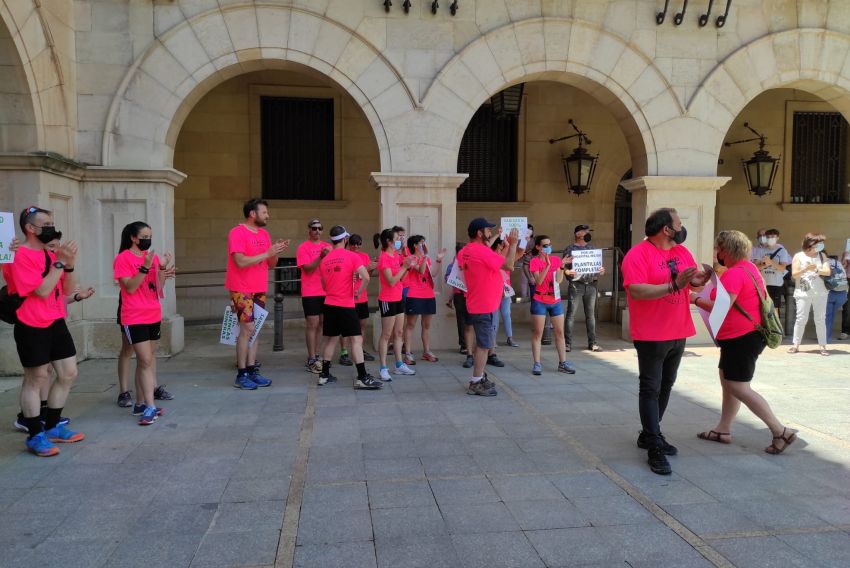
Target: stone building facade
[(116, 110)]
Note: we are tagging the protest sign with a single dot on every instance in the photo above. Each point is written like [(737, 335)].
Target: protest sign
[(714, 319), (518, 223), (587, 261), (230, 325), (7, 235), (455, 278)]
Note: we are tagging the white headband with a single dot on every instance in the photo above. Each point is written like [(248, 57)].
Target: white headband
[(340, 237)]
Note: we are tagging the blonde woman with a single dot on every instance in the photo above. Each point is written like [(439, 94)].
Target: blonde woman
[(810, 292)]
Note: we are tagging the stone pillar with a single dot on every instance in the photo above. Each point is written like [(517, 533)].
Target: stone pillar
[(425, 204), (695, 199)]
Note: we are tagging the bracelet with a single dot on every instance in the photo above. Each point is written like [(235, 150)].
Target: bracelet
[(77, 297), (144, 270), (68, 268)]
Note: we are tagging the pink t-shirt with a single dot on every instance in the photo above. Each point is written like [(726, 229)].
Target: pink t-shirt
[(338, 269), (736, 281), (545, 291), (666, 318), (142, 306), (311, 282), (387, 293), (482, 272), (27, 270), (365, 261), (250, 279), (420, 285)]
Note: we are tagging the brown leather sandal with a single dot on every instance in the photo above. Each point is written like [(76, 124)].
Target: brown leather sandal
[(773, 449), (713, 436)]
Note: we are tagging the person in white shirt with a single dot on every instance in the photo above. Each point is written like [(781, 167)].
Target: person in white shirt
[(810, 292), (772, 259)]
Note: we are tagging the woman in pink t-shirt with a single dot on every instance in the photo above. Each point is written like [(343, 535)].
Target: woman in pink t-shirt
[(740, 343), (421, 300), (141, 276), (361, 303), (391, 273), (547, 270)]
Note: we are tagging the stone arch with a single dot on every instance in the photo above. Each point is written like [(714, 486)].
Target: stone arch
[(569, 51), (812, 60), (190, 59)]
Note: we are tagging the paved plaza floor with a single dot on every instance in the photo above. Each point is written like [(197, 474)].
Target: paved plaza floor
[(420, 474)]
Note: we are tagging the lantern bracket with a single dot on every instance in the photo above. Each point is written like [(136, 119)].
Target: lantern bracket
[(582, 137), (759, 136)]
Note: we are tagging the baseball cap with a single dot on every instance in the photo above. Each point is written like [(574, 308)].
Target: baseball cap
[(338, 233), (478, 224), (582, 228), (312, 222)]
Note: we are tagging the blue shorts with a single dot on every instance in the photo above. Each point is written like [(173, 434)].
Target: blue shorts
[(420, 306), (485, 331), (538, 308)]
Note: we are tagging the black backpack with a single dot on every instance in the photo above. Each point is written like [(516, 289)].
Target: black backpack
[(9, 303)]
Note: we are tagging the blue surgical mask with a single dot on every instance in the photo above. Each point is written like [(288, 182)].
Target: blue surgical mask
[(547, 250), (397, 245), (819, 247)]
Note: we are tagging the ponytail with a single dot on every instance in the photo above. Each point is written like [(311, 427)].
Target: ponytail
[(129, 231), (384, 239)]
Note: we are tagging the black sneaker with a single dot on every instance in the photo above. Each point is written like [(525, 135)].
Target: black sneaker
[(480, 389), (669, 449), (494, 360), (345, 360), (658, 462), (160, 393), (488, 383), (124, 400), (368, 382), (468, 363), (368, 356)]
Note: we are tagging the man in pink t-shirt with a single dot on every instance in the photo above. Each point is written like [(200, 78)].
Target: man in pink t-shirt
[(310, 253), (482, 271), (250, 254), (43, 279), (658, 274)]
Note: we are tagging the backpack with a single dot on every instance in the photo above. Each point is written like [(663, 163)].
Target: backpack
[(836, 277), (9, 302), (770, 328)]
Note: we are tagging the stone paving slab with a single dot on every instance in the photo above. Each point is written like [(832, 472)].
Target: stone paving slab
[(419, 474)]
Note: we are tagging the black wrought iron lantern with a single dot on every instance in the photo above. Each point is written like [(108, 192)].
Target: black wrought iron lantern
[(579, 166), (760, 170), (508, 102)]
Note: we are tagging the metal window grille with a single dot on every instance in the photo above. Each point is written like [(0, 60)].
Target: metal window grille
[(819, 158), (297, 148), (488, 153)]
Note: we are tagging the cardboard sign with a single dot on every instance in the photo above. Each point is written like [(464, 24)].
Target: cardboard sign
[(7, 235), (518, 223), (587, 261), (230, 325), (455, 277), (714, 319)]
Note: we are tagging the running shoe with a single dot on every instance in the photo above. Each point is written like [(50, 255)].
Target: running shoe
[(385, 375), (494, 360), (243, 382), (511, 343), (345, 360), (63, 435), (537, 369), (258, 379), (488, 383), (139, 409), (125, 400), (331, 378), (428, 356), (160, 393), (19, 424), (313, 365), (368, 383), (408, 359), (148, 416), (41, 446), (566, 367), (594, 347), (480, 389), (469, 362), (322, 381), (403, 370), (368, 356)]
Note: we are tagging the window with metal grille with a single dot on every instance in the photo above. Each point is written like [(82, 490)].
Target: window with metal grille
[(488, 153), (297, 137), (819, 162)]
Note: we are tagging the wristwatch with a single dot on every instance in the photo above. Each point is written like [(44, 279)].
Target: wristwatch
[(58, 264)]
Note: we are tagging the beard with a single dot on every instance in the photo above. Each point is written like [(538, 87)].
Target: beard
[(260, 222)]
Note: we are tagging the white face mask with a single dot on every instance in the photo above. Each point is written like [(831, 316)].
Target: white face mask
[(819, 247), (762, 240), (771, 241)]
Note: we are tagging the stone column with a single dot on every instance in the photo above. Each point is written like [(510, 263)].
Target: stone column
[(695, 199), (425, 204)]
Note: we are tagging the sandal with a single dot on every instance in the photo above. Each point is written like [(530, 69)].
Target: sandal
[(793, 349), (712, 436), (824, 352), (775, 450)]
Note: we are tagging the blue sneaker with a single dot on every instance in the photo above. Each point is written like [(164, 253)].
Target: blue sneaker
[(138, 409), (41, 446), (259, 380), (63, 435), (148, 416), (244, 382), (63, 421), (537, 369)]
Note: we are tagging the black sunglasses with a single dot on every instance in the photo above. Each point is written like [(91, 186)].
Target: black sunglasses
[(317, 228)]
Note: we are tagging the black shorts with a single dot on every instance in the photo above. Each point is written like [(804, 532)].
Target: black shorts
[(340, 321), (460, 309), (421, 306), (362, 310), (312, 305), (738, 356), (390, 309), (141, 332), (39, 346)]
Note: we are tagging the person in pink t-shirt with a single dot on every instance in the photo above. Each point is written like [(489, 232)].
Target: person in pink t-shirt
[(421, 300), (341, 270), (740, 343), (141, 276), (361, 302), (391, 273), (657, 275), (43, 279), (310, 253), (250, 255), (482, 268)]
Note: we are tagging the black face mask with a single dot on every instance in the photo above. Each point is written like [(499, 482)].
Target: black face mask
[(680, 235), (144, 244), (720, 261), (587, 237), (49, 233)]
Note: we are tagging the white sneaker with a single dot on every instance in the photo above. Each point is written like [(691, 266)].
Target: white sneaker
[(404, 370), (843, 336), (323, 381), (385, 375)]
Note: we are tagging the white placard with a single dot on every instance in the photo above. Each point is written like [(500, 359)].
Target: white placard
[(455, 278), (587, 261), (509, 291), (230, 325), (518, 223), (7, 235), (714, 319)]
